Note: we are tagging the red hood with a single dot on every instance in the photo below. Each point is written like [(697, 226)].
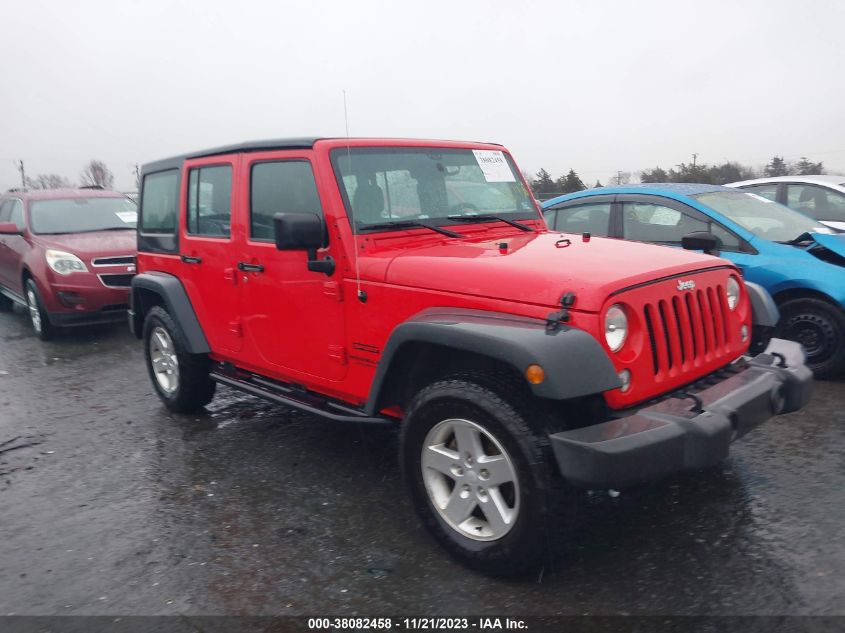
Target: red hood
[(534, 269), (93, 244)]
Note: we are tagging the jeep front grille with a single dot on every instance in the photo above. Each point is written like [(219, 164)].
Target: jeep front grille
[(687, 329)]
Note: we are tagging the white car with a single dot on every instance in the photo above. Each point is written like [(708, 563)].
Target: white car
[(820, 197)]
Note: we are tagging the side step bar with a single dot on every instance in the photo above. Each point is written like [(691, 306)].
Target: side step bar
[(289, 397)]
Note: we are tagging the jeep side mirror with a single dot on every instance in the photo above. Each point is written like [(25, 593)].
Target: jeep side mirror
[(700, 241), (303, 232), (9, 228)]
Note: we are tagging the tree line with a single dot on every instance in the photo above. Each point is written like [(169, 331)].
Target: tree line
[(545, 186), (93, 174)]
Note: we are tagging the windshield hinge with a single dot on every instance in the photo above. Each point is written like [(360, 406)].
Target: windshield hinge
[(554, 319)]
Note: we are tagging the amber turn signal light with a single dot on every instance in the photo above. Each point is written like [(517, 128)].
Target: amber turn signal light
[(535, 374)]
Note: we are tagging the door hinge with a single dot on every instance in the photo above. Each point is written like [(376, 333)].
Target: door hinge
[(333, 289), (338, 353)]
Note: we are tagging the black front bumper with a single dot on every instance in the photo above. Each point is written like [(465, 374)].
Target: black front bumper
[(687, 431), (73, 319)]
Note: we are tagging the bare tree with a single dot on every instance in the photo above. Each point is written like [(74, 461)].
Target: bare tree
[(48, 181), (96, 174)]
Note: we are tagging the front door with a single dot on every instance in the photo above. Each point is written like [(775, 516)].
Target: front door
[(293, 319), (12, 247), (208, 249)]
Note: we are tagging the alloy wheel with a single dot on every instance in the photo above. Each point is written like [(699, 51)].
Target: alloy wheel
[(164, 361), (470, 479)]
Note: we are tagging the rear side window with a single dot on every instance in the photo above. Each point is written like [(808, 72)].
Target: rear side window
[(210, 200), (280, 187), (160, 202)]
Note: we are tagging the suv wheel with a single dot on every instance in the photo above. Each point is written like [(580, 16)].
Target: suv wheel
[(37, 315), (479, 477), (181, 379), (820, 328)]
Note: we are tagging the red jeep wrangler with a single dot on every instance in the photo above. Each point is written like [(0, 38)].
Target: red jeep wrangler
[(415, 283)]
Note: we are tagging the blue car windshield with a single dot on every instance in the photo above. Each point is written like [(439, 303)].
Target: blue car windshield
[(761, 216)]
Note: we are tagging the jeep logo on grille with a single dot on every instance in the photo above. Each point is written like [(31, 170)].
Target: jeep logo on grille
[(685, 285)]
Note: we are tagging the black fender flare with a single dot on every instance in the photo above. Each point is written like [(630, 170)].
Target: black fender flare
[(575, 363), (764, 310), (175, 299)]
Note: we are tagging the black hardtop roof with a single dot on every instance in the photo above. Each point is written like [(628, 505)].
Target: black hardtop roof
[(306, 142)]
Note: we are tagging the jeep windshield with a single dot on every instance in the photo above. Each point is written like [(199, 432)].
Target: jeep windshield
[(82, 215), (434, 186), (761, 216)]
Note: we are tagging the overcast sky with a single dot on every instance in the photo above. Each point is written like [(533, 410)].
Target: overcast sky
[(594, 85)]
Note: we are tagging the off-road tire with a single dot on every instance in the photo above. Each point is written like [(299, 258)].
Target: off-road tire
[(822, 326), (505, 411), (194, 388), (44, 329)]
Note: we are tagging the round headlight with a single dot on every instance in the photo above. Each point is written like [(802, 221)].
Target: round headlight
[(615, 327), (733, 290)]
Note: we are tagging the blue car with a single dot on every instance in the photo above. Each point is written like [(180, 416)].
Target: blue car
[(798, 260)]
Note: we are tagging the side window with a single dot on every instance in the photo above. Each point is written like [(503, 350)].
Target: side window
[(160, 202), (767, 190), (645, 222), (584, 218), (210, 200), (663, 225), (280, 187), (16, 214), (817, 202), (5, 209)]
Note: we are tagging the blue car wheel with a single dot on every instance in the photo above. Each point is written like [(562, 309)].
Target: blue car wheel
[(820, 328)]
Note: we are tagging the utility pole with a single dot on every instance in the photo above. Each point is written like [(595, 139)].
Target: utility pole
[(618, 178), (694, 156), (23, 174)]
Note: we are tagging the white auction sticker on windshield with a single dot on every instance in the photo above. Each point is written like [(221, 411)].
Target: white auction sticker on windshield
[(127, 216), (493, 165)]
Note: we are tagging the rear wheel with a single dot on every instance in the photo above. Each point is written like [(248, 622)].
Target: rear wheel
[(820, 328), (483, 482), (37, 314), (181, 379)]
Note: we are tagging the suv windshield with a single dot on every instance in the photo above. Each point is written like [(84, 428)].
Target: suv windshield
[(82, 215), (386, 184), (761, 216)]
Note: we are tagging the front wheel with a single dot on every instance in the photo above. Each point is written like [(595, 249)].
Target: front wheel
[(480, 478), (820, 328), (37, 314), (180, 379)]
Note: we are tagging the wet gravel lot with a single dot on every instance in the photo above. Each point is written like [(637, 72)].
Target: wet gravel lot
[(111, 505)]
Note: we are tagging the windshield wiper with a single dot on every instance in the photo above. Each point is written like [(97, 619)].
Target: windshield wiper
[(487, 217), (410, 224)]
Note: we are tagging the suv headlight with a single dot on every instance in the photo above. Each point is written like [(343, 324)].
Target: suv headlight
[(733, 290), (615, 327), (65, 263)]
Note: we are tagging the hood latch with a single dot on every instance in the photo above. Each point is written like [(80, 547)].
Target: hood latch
[(554, 319)]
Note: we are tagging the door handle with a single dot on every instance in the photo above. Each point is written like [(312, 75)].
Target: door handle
[(188, 259), (250, 268)]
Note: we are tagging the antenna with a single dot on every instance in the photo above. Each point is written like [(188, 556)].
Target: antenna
[(362, 296)]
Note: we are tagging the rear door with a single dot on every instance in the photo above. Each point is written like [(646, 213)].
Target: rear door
[(208, 250), (293, 319)]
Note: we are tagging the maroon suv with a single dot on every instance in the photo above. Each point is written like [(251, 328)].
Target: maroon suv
[(68, 255)]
